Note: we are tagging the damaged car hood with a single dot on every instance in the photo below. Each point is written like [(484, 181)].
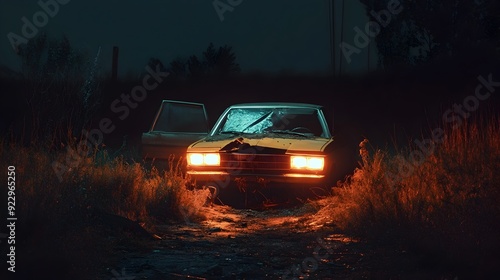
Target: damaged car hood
[(282, 143)]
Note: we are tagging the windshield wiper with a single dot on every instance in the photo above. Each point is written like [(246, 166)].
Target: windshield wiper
[(231, 132), (288, 132), (265, 116)]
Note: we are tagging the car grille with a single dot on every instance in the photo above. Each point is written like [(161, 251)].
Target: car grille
[(262, 163)]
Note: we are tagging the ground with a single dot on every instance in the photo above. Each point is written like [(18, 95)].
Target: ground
[(279, 243)]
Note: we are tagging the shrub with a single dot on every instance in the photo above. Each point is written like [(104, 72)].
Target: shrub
[(445, 206), (64, 221)]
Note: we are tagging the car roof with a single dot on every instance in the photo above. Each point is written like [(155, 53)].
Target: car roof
[(276, 104)]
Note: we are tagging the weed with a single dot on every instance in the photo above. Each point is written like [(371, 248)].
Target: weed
[(447, 206)]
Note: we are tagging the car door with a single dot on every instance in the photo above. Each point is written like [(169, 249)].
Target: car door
[(176, 125)]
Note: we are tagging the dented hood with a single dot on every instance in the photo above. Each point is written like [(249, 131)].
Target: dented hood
[(313, 145)]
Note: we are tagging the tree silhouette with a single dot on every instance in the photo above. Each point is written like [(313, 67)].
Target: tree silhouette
[(210, 57), (221, 62), (178, 68), (429, 29), (226, 62), (61, 90), (31, 57), (213, 62), (154, 62), (195, 67)]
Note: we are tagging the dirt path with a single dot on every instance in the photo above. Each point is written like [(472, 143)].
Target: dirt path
[(270, 244)]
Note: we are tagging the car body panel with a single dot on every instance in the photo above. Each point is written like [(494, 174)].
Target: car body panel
[(177, 125), (297, 145)]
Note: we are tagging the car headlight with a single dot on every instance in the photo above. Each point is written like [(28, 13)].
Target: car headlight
[(307, 162), (199, 159)]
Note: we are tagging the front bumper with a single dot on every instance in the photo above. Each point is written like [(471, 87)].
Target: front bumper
[(226, 178)]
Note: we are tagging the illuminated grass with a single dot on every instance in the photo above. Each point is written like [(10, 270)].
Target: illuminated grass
[(447, 206), (79, 222), (112, 185)]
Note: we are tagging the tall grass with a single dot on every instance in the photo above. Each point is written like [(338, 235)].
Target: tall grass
[(447, 206), (113, 185), (76, 222)]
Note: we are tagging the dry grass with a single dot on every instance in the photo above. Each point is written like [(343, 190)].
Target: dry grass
[(112, 185), (75, 222), (446, 207)]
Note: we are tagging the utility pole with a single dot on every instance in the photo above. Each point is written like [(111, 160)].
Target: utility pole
[(331, 19), (341, 35)]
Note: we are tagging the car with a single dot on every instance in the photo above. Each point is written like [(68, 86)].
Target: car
[(176, 125), (265, 145)]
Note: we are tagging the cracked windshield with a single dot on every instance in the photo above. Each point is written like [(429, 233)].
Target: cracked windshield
[(258, 120)]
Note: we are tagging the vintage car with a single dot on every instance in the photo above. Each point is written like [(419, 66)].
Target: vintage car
[(261, 145)]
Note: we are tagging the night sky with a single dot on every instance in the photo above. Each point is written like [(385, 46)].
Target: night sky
[(267, 36)]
